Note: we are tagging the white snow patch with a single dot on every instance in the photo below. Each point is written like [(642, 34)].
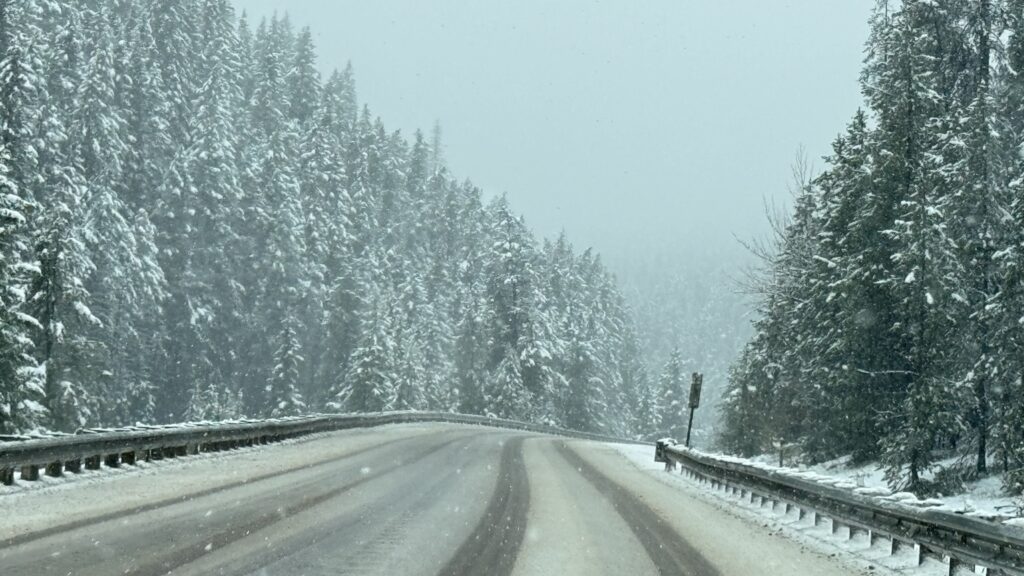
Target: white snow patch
[(985, 499)]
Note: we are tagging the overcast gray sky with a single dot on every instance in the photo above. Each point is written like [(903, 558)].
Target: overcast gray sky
[(629, 124)]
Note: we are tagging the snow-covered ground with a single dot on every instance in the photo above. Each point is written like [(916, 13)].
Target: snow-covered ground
[(734, 539), (984, 499), (402, 499), (820, 538)]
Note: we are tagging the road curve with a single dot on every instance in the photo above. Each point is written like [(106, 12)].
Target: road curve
[(410, 499)]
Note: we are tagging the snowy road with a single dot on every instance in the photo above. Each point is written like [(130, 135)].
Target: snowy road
[(411, 499)]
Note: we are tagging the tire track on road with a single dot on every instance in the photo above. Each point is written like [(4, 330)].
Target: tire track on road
[(105, 517), (369, 536), (494, 545), (669, 552), (264, 518)]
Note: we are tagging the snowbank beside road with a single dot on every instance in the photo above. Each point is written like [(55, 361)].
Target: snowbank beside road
[(984, 499), (819, 538)]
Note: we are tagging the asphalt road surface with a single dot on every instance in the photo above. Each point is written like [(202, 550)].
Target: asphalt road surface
[(395, 500)]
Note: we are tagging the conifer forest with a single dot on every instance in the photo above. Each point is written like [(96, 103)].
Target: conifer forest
[(198, 226)]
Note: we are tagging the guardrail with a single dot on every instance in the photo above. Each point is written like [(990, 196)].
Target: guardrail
[(962, 543), (91, 450)]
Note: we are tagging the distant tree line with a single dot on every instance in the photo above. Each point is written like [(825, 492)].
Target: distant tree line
[(690, 318), (891, 323), (195, 225)]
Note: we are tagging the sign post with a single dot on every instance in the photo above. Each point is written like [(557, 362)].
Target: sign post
[(698, 380)]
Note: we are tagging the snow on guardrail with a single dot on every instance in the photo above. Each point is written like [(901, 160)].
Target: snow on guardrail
[(92, 449), (960, 541)]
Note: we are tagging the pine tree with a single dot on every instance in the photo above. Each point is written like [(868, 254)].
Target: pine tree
[(21, 91), (283, 387), (409, 393), (847, 320), (906, 95), (57, 297), (328, 252), (672, 397), (207, 295), (1006, 393), (975, 176), (511, 296), (21, 386), (585, 402), (506, 395), (123, 287), (368, 385), (471, 353), (303, 80), (175, 38)]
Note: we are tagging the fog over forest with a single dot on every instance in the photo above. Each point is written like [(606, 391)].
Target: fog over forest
[(595, 118)]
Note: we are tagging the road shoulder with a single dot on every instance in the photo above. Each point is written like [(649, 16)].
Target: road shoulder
[(734, 542)]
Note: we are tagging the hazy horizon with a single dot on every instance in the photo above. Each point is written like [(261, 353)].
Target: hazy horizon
[(622, 127)]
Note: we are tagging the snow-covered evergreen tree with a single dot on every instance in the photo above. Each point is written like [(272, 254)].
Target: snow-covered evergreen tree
[(283, 385), (672, 398), (506, 395), (21, 383), (369, 384)]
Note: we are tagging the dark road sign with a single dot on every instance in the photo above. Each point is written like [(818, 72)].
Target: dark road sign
[(698, 380)]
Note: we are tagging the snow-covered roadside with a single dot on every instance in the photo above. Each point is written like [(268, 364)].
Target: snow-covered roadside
[(875, 559), (983, 499), (141, 468)]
